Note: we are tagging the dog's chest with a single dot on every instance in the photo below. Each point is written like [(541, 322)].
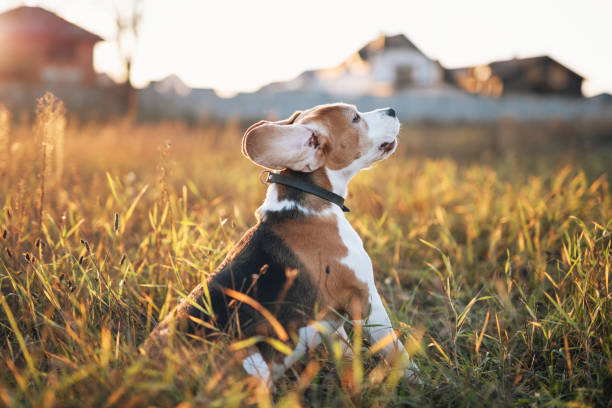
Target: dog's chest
[(334, 255), (357, 258)]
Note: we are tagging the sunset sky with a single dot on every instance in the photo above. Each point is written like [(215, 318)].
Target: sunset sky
[(236, 46)]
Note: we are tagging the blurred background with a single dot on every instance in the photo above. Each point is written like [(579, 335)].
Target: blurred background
[(469, 78), (122, 186)]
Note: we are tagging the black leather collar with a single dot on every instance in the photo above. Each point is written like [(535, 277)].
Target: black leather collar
[(306, 187)]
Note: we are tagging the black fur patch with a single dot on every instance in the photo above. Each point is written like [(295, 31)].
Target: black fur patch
[(264, 268)]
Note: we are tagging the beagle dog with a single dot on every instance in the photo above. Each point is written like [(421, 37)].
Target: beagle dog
[(302, 269)]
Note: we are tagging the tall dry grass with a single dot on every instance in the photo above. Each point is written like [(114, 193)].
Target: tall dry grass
[(49, 130), (5, 141), (497, 279)]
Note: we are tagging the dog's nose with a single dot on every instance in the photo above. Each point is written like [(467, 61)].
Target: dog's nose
[(390, 112)]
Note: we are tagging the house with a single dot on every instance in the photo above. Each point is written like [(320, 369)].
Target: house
[(383, 66), (37, 46), (171, 84), (396, 61), (540, 75)]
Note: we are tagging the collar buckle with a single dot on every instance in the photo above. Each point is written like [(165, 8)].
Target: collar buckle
[(265, 180)]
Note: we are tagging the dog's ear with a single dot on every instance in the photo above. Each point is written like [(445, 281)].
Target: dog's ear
[(287, 121), (284, 144)]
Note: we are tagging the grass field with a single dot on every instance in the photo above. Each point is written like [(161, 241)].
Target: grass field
[(497, 278)]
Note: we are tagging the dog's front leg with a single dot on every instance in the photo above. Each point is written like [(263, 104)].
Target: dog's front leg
[(309, 337), (255, 365), (345, 344), (378, 326)]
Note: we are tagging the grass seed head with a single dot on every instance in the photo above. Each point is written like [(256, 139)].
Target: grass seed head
[(39, 243), (29, 258), (86, 245)]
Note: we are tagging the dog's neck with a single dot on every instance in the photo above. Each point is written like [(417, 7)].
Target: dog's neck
[(339, 179), (290, 202)]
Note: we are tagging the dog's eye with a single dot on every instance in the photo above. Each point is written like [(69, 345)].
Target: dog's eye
[(356, 118)]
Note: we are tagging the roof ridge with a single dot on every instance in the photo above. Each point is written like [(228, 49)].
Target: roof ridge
[(28, 20)]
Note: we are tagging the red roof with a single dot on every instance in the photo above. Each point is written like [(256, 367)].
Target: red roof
[(38, 22)]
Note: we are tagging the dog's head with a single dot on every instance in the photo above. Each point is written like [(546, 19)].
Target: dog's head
[(335, 136)]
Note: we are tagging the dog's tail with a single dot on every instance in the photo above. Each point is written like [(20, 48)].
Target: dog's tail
[(183, 322), (160, 339)]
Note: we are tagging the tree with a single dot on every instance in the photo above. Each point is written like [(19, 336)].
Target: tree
[(128, 19)]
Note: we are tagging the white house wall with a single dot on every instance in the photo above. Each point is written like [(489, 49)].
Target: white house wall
[(376, 76), (425, 71), (348, 84)]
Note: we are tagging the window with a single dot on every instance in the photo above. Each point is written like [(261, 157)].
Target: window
[(403, 77), (62, 52)]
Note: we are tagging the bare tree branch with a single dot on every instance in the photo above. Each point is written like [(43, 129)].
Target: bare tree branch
[(128, 20)]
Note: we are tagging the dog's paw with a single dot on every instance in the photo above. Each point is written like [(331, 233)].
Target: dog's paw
[(412, 374), (261, 385)]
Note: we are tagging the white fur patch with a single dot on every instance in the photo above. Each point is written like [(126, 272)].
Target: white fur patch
[(256, 366), (273, 204), (339, 178), (308, 338), (378, 324), (357, 258)]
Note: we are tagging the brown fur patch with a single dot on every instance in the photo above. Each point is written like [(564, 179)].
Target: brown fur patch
[(344, 140), (317, 243)]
